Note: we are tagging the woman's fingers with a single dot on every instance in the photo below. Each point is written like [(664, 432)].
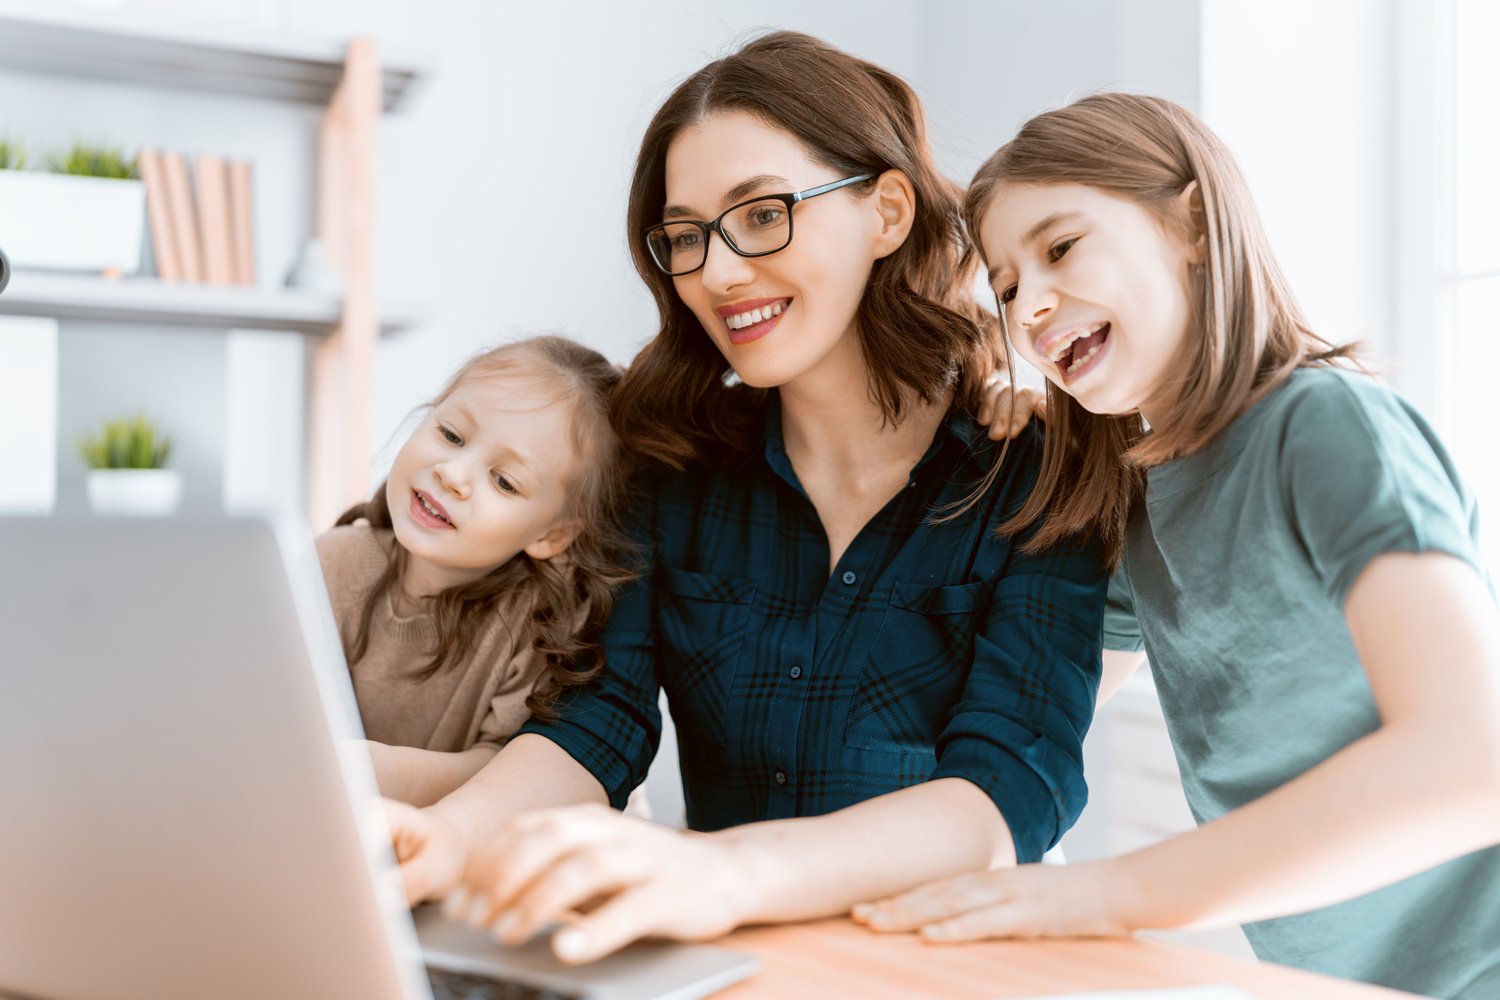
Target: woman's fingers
[(626, 917), (528, 846), (586, 874), (935, 902)]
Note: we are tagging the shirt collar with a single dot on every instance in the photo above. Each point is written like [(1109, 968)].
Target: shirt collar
[(959, 424)]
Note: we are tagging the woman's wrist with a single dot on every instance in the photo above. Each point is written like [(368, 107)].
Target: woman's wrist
[(1132, 899), (752, 874)]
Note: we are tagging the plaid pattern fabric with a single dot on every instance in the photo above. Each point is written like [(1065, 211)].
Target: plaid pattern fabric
[(933, 650)]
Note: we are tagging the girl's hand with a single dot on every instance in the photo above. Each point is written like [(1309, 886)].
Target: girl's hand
[(635, 878), (1031, 901), (429, 852), (995, 410)]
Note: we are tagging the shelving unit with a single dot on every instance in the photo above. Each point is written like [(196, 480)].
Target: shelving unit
[(159, 303), (355, 87)]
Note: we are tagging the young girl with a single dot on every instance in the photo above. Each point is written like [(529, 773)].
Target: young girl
[(475, 574), (1299, 554)]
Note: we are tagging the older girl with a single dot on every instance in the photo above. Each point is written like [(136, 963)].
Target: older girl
[(1297, 550)]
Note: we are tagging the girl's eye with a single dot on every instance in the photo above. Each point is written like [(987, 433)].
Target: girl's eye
[(1061, 248), (1007, 294), (504, 484), (449, 436)]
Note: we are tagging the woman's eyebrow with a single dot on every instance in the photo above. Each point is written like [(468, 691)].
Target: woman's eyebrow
[(734, 194)]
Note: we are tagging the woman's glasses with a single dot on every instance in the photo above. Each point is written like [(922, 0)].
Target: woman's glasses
[(752, 228)]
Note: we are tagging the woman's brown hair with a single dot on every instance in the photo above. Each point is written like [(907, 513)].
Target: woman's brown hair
[(919, 327), (558, 605), (1247, 332)]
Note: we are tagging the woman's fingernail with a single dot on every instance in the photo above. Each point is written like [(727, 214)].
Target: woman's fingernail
[(506, 926), (570, 942), (478, 912), (862, 911), (456, 904)]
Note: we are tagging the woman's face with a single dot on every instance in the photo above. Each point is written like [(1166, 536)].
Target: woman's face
[(1094, 288), (807, 294)]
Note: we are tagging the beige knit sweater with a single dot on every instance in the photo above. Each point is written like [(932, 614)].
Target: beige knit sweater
[(480, 701)]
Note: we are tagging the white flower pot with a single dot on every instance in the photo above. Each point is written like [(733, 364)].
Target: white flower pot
[(135, 492), (66, 223)]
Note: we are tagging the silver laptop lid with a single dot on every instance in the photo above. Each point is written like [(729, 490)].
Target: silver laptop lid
[(173, 815)]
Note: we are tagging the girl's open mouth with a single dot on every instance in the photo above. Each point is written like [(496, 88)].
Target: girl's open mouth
[(1084, 354)]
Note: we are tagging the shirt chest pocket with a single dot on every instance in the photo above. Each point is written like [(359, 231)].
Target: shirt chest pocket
[(917, 667), (702, 623)]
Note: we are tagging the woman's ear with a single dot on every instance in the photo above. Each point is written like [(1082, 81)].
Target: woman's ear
[(556, 541), (896, 202), (1195, 220)]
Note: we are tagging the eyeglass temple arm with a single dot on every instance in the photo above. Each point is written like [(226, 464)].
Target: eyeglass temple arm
[(830, 186)]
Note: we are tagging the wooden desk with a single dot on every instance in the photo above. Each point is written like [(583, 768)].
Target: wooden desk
[(832, 959)]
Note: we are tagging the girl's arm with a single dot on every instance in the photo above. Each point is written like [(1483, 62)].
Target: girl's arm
[(433, 845), (1420, 790), (421, 777)]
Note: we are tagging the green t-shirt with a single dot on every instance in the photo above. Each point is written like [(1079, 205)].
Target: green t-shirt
[(1236, 568)]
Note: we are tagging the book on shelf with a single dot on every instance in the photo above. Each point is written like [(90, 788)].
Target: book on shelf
[(242, 222), (159, 216), (184, 219), (212, 188)]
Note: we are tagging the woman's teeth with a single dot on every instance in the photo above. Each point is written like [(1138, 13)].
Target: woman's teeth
[(741, 320)]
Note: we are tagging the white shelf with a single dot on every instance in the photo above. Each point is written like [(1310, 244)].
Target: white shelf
[(160, 52), (148, 301)]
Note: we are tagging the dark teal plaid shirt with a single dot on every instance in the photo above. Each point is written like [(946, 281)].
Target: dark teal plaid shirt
[(933, 651)]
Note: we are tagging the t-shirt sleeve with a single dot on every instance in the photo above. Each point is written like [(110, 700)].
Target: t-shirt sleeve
[(1365, 475), (1121, 629)]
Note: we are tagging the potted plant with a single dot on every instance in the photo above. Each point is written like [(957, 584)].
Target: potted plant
[(127, 473), (88, 213)]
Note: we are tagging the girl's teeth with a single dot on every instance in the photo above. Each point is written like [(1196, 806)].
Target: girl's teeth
[(1080, 362)]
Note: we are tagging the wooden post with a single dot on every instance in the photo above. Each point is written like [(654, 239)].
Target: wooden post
[(339, 434)]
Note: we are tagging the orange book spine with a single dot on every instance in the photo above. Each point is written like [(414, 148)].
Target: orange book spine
[(242, 222), (159, 215), (213, 219), (184, 222)]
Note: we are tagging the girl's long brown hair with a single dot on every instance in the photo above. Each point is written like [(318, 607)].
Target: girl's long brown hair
[(1247, 334), (557, 606), (919, 326)]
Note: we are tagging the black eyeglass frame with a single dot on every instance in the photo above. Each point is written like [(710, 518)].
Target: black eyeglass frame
[(717, 226)]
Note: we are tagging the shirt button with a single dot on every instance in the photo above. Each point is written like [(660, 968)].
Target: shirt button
[(780, 777), (849, 577), (796, 671)]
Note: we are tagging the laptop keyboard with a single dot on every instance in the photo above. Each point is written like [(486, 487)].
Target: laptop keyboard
[(450, 985)]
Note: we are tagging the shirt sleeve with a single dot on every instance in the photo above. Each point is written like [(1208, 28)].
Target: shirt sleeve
[(612, 726), (1017, 731), (1365, 475), (1121, 629)]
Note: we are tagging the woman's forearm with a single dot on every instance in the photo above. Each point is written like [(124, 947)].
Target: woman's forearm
[(1384, 808), (530, 772), (822, 865)]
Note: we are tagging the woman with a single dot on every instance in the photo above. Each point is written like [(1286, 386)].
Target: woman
[(867, 695)]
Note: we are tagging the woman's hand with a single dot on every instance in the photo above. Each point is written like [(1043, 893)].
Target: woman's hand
[(1031, 901), (995, 411), (635, 878), (429, 852)]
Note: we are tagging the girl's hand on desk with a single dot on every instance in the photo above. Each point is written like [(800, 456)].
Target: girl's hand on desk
[(1030, 901), (430, 855), (635, 878)]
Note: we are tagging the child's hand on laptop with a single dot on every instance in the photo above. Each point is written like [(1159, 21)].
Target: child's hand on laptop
[(430, 854)]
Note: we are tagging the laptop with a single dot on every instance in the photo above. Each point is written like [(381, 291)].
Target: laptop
[(185, 811)]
